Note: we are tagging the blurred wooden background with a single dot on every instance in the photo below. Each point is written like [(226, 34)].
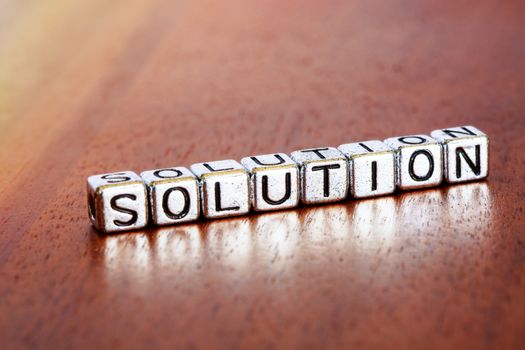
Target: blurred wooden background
[(96, 86)]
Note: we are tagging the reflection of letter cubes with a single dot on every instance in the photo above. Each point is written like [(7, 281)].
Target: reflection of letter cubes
[(117, 201), (466, 153), (372, 168), (224, 188), (174, 195), (274, 181), (324, 174), (419, 161)]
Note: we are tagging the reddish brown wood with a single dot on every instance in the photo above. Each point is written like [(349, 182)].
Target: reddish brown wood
[(91, 87)]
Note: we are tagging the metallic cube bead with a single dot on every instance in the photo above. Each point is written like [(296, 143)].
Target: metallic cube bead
[(224, 187), (117, 201), (466, 153), (174, 195), (274, 181), (372, 168), (324, 174), (419, 161)]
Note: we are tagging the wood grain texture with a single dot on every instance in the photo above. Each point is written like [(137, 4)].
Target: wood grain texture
[(98, 86)]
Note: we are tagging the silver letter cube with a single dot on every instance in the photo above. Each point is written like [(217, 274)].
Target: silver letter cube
[(174, 195), (372, 168), (419, 161), (224, 188), (274, 181), (324, 174), (117, 201), (466, 153)]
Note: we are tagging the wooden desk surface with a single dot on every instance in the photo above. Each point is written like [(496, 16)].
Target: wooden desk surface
[(98, 86)]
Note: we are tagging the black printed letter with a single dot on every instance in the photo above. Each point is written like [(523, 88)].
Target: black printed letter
[(280, 160), (218, 206), (266, 197), (427, 176), (165, 204), (115, 206), (476, 168), (326, 177)]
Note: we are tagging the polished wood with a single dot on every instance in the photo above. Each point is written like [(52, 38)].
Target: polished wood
[(96, 86)]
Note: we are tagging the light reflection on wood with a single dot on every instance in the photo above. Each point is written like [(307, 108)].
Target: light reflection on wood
[(276, 242)]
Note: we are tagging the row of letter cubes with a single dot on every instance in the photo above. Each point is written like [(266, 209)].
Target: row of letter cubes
[(123, 201)]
